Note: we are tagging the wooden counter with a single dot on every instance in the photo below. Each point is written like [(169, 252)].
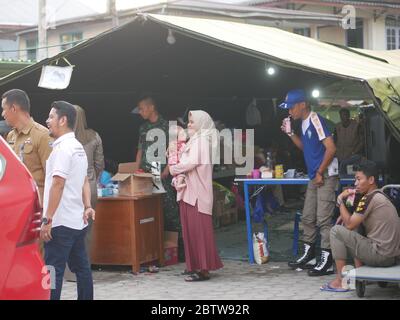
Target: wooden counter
[(128, 231)]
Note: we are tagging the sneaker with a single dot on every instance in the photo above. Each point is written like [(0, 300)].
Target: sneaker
[(324, 266), (306, 260)]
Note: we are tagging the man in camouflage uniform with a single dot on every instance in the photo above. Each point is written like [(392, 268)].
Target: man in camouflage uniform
[(147, 109)]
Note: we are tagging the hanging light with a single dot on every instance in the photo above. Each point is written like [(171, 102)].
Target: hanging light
[(315, 93), (171, 38), (270, 69)]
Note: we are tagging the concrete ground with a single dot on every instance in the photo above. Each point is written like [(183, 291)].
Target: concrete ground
[(237, 280)]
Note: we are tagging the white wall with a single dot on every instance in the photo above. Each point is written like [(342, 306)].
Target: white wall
[(374, 31), (332, 34), (378, 34), (7, 45), (88, 30)]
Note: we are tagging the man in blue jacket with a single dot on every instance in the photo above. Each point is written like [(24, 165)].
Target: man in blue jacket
[(319, 150)]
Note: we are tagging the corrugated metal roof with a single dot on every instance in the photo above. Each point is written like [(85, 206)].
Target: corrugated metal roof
[(239, 11), (372, 3), (215, 9)]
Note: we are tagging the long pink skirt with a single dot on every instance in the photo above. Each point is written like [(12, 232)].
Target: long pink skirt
[(198, 237)]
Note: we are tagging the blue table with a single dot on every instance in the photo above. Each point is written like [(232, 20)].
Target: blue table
[(295, 181)]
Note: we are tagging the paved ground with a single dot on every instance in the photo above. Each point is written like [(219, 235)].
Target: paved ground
[(237, 280)]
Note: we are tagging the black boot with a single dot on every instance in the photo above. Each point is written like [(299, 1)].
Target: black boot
[(324, 266), (307, 258)]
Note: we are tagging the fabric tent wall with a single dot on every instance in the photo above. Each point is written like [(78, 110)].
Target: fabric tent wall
[(112, 71)]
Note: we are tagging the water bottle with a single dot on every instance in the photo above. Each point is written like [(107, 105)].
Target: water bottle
[(99, 190), (288, 125)]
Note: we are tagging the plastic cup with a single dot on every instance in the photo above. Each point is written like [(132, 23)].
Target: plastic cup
[(256, 174)]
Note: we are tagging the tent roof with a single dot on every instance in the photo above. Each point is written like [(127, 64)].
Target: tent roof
[(215, 65), (273, 44), (391, 56)]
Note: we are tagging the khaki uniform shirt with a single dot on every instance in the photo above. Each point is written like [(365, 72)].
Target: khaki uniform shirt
[(381, 222), (33, 146), (348, 140)]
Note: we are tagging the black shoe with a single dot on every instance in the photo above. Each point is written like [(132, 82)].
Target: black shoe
[(306, 260), (324, 266)]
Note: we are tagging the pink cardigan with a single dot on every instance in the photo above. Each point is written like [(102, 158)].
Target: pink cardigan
[(196, 165)]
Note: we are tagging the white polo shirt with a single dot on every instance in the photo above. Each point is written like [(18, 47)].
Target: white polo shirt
[(67, 160)]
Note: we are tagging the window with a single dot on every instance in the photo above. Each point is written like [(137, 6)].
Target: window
[(303, 31), (68, 40), (31, 49), (355, 37), (392, 24)]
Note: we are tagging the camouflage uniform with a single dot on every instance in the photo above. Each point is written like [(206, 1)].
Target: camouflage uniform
[(171, 210)]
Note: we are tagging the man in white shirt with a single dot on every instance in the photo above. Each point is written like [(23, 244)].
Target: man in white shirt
[(66, 203)]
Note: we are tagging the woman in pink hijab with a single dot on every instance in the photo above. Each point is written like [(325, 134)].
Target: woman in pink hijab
[(196, 199)]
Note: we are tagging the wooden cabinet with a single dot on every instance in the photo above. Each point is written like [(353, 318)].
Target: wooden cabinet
[(128, 231)]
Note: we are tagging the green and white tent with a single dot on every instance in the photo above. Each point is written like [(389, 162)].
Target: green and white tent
[(210, 58)]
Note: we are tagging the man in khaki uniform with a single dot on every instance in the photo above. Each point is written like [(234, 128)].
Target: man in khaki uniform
[(380, 245), (349, 140), (348, 137), (29, 140)]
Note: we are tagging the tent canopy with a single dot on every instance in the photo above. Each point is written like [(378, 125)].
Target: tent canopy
[(391, 56), (284, 47), (215, 65)]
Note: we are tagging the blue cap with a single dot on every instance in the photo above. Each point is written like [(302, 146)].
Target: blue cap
[(293, 97)]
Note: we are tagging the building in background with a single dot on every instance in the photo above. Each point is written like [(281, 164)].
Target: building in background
[(22, 15), (377, 22), (70, 22), (66, 30)]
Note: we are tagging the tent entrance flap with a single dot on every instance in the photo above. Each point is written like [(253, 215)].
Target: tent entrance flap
[(388, 92)]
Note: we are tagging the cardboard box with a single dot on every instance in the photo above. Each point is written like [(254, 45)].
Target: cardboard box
[(170, 248), (133, 184)]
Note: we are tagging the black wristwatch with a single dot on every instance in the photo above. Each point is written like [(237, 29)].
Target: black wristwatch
[(46, 221)]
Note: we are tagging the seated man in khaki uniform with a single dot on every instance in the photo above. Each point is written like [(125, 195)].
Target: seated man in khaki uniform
[(376, 214), (29, 140)]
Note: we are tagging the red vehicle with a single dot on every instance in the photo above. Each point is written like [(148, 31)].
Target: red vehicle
[(22, 272)]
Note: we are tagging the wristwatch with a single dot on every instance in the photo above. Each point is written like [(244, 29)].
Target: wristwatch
[(46, 221)]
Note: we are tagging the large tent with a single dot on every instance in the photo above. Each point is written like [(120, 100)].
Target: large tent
[(214, 64)]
